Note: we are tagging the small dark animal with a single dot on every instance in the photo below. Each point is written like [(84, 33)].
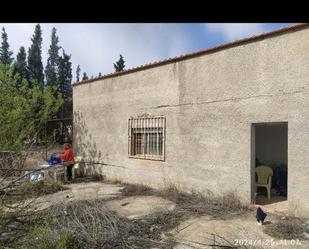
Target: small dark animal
[(260, 215)]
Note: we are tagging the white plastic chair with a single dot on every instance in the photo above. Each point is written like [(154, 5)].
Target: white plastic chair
[(264, 175), (77, 166)]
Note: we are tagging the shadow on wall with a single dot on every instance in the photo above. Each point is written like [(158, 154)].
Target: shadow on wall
[(86, 147)]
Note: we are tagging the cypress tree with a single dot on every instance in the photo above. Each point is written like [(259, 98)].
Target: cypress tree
[(20, 65), (119, 65), (65, 82), (5, 53), (77, 73), (85, 76), (35, 64), (52, 67)]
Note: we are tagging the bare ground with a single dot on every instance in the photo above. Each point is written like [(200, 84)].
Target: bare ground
[(79, 192), (243, 230), (240, 231)]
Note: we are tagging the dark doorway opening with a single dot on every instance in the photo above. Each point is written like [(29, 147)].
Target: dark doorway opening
[(269, 162)]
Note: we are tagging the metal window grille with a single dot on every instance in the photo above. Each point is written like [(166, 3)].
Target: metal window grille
[(146, 138)]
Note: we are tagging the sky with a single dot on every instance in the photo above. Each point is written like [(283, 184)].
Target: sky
[(96, 46)]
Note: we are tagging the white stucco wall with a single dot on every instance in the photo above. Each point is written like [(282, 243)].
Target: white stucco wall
[(209, 103)]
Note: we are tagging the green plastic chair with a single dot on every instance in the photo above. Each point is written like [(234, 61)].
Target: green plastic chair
[(264, 175)]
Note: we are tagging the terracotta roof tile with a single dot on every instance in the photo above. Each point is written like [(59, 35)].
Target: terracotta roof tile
[(199, 53)]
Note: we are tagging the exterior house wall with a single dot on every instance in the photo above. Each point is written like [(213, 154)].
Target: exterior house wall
[(210, 103)]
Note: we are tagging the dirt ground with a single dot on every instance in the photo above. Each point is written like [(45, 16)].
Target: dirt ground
[(78, 192), (237, 231), (194, 232), (136, 207)]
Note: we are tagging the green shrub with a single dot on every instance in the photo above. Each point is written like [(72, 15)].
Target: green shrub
[(44, 237)]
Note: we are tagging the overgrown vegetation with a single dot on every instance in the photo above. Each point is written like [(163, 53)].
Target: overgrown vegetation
[(29, 97), (17, 209), (136, 189), (27, 190), (88, 224), (290, 228), (36, 189), (23, 110), (90, 178), (193, 203)]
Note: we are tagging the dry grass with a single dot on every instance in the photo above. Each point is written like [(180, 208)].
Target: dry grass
[(199, 204), (291, 228), (89, 225), (26, 190), (114, 181), (90, 178), (193, 203), (41, 188), (16, 208), (136, 189)]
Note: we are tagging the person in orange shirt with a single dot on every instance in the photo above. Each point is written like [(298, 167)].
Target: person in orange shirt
[(67, 156)]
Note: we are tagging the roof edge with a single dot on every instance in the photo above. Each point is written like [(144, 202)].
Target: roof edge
[(214, 49)]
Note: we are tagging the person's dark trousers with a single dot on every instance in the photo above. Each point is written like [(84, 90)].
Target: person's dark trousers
[(69, 171)]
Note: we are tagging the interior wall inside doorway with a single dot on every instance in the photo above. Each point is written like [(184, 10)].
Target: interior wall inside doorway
[(271, 144)]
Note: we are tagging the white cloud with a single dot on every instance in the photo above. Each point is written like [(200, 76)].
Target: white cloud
[(97, 46), (234, 31)]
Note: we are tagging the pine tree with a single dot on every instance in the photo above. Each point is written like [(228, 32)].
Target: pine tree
[(65, 83), (85, 77), (35, 64), (52, 67), (77, 73), (20, 65), (5, 53), (119, 65)]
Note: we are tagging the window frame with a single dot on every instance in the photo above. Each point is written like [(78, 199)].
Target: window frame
[(157, 123)]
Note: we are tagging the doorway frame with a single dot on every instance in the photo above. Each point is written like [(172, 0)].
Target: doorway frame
[(253, 153)]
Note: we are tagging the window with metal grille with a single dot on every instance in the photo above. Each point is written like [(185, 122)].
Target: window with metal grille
[(146, 137)]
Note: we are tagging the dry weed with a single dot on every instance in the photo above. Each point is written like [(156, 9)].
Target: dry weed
[(290, 228), (88, 224), (136, 189)]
